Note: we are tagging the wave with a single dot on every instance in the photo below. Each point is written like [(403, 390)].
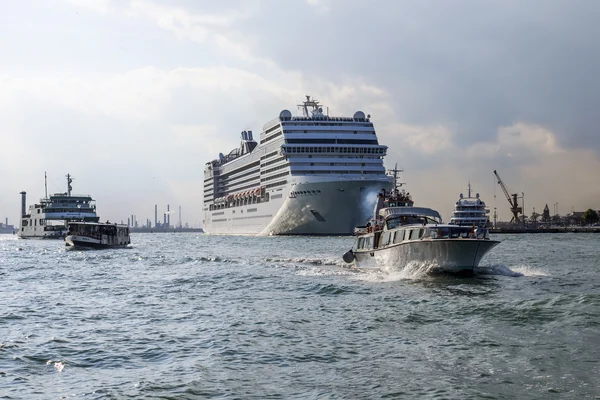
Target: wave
[(514, 271)]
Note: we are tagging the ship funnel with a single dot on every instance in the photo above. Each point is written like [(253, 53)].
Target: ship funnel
[(23, 203)]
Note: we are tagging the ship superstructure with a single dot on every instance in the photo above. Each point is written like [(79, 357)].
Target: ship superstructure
[(309, 174), (48, 219), (470, 211)]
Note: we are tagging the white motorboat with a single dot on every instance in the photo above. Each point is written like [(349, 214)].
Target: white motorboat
[(400, 233)]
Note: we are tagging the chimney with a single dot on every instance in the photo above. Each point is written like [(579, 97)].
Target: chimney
[(23, 203), (168, 216), (155, 215)]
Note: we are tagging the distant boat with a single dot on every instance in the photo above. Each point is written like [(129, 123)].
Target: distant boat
[(470, 211), (400, 233), (48, 219), (97, 235)]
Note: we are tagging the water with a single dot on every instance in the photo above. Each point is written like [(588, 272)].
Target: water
[(189, 316)]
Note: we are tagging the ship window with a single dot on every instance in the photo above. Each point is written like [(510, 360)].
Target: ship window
[(407, 234), (361, 243)]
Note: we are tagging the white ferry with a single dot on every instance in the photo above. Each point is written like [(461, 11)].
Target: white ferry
[(470, 211), (312, 174), (94, 235), (400, 233), (48, 219)]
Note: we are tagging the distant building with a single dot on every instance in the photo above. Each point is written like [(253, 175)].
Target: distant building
[(546, 214)]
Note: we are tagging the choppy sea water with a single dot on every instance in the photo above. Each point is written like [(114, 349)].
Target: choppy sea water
[(192, 316)]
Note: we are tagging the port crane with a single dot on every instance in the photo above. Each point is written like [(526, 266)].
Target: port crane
[(512, 200)]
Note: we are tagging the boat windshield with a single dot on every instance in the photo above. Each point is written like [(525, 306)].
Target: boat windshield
[(408, 220)]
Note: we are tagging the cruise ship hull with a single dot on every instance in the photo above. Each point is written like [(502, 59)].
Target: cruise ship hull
[(444, 255), (310, 207)]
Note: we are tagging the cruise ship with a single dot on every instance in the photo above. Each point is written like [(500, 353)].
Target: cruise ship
[(48, 219), (470, 211), (310, 174)]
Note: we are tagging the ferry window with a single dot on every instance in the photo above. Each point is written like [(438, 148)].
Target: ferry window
[(407, 234), (392, 236), (421, 231), (361, 243)]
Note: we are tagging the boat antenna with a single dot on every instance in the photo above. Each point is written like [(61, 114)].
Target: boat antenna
[(46, 184), (69, 187), (469, 187), (395, 173)]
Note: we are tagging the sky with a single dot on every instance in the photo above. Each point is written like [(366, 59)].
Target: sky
[(133, 97)]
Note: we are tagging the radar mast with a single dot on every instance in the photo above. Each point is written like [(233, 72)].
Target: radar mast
[(315, 108)]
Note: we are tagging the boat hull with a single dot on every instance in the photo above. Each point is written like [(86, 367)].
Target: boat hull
[(444, 255)]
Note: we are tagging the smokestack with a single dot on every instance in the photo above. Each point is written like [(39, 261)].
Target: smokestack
[(180, 217), (168, 216), (23, 203), (155, 215)]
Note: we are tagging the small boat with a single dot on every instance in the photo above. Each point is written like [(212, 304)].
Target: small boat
[(97, 235), (400, 233)]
